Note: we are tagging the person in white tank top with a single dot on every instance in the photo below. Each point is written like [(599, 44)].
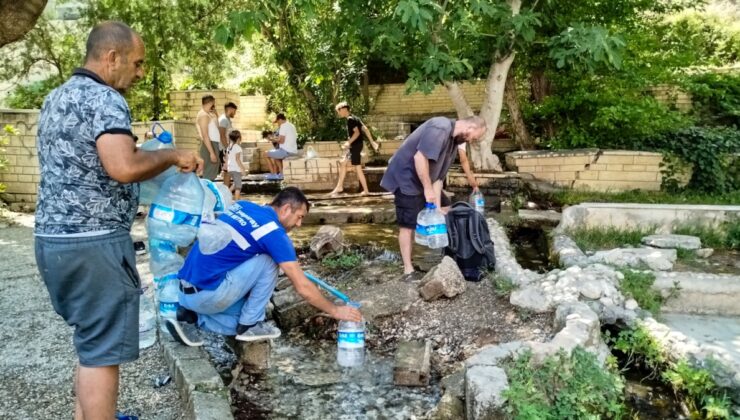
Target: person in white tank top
[(210, 138)]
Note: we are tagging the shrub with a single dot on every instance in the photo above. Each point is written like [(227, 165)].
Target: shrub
[(638, 286), (344, 261), (563, 387), (8, 131), (607, 238), (716, 98)]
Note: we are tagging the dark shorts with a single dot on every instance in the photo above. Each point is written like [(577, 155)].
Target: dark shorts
[(355, 152), (409, 206), (94, 286)]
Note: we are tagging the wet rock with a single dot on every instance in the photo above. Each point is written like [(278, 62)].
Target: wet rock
[(704, 252), (672, 241), (329, 239), (444, 279), (290, 308), (283, 283), (530, 297), (385, 299), (655, 259), (253, 356), (567, 252), (317, 379), (454, 384), (412, 363), (450, 407), (484, 388)]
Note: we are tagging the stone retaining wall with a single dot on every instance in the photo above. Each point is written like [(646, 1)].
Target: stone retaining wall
[(594, 169), (22, 174)]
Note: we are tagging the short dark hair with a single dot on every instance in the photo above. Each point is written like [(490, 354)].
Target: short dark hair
[(292, 196), (266, 133), (280, 116), (109, 35), (230, 105), (206, 99), (235, 135)]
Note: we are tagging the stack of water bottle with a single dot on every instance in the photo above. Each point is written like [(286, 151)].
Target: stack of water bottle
[(179, 202)]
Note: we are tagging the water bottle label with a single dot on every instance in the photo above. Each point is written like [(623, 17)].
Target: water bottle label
[(162, 245), (219, 202), (479, 202), (175, 217), (351, 339), (421, 230), (440, 229), (161, 281), (168, 307)]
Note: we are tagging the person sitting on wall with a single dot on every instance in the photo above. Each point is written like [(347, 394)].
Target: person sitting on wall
[(227, 292), (287, 138)]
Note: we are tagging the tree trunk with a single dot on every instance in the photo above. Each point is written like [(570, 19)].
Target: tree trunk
[(459, 100), (541, 89), (17, 18), (521, 135)]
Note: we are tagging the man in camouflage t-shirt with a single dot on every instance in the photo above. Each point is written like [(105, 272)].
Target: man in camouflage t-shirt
[(87, 200)]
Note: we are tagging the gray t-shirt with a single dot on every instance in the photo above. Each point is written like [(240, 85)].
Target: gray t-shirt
[(76, 194), (434, 140)]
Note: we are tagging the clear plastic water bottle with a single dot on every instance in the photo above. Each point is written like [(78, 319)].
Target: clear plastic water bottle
[(213, 237), (148, 189), (168, 301), (351, 343), (176, 212), (478, 202), (163, 257), (147, 322), (211, 201), (431, 227), (226, 197)]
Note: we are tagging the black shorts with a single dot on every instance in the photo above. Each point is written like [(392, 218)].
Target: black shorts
[(409, 206), (355, 152), (94, 286)]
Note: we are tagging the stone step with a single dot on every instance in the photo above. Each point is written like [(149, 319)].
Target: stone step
[(699, 293), (412, 363)]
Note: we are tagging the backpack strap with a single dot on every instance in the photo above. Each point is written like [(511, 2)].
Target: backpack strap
[(474, 229), (452, 232)]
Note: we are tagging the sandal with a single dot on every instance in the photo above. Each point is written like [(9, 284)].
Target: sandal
[(411, 277)]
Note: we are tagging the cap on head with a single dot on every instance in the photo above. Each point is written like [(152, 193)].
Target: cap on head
[(342, 105), (106, 36)]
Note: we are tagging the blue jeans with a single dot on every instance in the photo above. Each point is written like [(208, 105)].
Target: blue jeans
[(241, 298)]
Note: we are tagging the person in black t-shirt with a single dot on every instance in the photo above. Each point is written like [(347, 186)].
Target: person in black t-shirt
[(356, 132)]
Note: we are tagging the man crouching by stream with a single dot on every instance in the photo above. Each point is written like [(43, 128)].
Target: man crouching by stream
[(227, 292)]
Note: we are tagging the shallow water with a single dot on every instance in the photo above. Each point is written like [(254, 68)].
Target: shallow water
[(304, 381)]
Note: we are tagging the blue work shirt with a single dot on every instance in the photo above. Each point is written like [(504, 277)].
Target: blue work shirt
[(254, 230)]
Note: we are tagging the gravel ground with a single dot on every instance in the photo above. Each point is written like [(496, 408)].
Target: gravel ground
[(37, 357)]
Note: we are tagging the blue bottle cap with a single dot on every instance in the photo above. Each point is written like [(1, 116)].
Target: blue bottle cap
[(165, 137), (430, 206)]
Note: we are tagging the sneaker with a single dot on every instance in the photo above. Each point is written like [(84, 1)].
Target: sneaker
[(139, 248), (176, 331), (186, 315), (259, 331)]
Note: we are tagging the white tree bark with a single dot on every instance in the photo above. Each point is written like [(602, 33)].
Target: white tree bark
[(481, 155)]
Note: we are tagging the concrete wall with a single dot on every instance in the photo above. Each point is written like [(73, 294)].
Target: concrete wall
[(593, 169), (21, 177)]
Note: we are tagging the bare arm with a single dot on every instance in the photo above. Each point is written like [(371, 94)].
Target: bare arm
[(202, 122), (313, 296), (280, 140), (222, 133), (367, 133), (239, 162), (421, 164), (125, 163), (465, 163)]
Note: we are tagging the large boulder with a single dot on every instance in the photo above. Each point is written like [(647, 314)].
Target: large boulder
[(672, 241), (329, 239), (445, 279)]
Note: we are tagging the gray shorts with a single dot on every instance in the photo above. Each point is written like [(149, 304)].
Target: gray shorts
[(236, 179), (94, 286), (279, 154)]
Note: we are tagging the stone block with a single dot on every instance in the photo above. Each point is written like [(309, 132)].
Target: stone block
[(565, 176), (484, 388), (412, 363), (578, 160), (589, 175), (627, 176), (653, 159), (615, 167), (445, 279), (254, 356), (616, 159), (208, 406), (174, 351), (634, 168), (672, 241), (196, 375)]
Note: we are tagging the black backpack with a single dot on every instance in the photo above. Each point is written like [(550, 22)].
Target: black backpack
[(470, 241)]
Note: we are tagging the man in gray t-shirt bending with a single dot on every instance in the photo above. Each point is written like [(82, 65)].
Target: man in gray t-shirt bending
[(416, 171)]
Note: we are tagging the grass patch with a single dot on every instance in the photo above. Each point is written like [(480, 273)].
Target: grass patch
[(727, 236), (502, 286), (695, 387), (607, 238), (344, 261), (638, 286), (571, 197), (565, 386)]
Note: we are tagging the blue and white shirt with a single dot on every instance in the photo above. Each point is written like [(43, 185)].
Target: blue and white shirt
[(76, 194), (254, 230)]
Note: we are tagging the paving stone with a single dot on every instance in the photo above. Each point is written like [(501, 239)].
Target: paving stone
[(254, 356), (196, 374), (209, 406), (412, 363)]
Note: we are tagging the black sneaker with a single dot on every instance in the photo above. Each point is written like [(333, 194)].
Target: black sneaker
[(139, 248), (258, 332), (175, 330), (186, 315)]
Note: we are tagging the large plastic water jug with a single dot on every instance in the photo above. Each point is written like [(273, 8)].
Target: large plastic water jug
[(478, 202), (163, 257), (431, 227), (148, 189), (351, 343), (176, 212), (147, 322), (168, 301)]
